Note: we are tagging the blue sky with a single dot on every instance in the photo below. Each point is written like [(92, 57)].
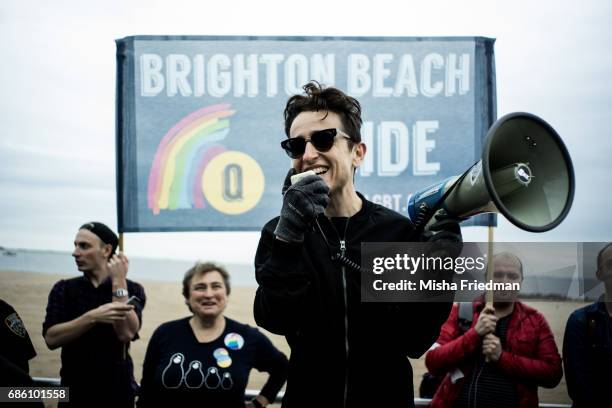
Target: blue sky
[(57, 167)]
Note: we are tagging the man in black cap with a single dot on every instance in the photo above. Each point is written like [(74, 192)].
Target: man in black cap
[(88, 317)]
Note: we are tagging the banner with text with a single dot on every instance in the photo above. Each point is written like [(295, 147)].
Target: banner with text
[(200, 120)]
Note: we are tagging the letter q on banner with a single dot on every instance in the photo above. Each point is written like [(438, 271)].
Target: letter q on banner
[(224, 182)]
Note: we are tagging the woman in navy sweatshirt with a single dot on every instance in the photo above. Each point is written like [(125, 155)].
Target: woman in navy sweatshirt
[(205, 359)]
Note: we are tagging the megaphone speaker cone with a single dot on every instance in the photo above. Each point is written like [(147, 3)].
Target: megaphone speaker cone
[(524, 148)]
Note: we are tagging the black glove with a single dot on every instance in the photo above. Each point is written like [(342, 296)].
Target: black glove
[(445, 228), (443, 240), (302, 203), (445, 236)]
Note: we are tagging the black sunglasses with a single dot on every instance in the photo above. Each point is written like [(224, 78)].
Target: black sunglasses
[(322, 140)]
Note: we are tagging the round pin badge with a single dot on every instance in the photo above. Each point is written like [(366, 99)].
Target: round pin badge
[(234, 341), (222, 357), (224, 363)]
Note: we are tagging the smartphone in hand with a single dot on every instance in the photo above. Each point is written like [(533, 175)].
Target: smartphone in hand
[(134, 301)]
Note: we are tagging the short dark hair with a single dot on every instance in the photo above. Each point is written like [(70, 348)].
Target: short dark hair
[(600, 254), (326, 99), (202, 268), (106, 235)]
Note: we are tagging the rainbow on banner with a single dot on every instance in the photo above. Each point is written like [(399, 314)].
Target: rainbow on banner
[(182, 156)]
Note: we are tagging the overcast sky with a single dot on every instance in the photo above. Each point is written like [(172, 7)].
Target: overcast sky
[(57, 150)]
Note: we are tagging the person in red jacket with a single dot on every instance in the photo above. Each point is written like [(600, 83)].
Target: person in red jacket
[(502, 358)]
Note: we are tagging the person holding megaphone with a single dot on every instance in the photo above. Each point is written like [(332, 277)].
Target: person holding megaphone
[(344, 353)]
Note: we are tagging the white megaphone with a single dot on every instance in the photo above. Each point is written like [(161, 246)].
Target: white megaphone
[(525, 173)]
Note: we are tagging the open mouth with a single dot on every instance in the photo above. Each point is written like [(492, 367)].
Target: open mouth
[(319, 171), (208, 304)]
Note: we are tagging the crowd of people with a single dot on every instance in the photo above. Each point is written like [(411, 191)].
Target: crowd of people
[(344, 352)]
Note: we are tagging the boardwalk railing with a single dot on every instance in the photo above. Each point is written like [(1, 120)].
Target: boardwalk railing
[(250, 394)]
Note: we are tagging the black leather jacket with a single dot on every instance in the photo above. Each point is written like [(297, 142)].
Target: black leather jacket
[(344, 353)]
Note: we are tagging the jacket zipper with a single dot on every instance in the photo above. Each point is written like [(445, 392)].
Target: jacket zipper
[(345, 295), (346, 342)]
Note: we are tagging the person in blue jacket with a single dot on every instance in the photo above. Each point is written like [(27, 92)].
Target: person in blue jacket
[(587, 344)]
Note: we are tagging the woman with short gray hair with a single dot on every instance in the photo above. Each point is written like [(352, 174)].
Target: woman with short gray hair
[(205, 359)]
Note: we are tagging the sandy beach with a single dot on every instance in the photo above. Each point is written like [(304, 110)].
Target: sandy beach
[(27, 292)]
